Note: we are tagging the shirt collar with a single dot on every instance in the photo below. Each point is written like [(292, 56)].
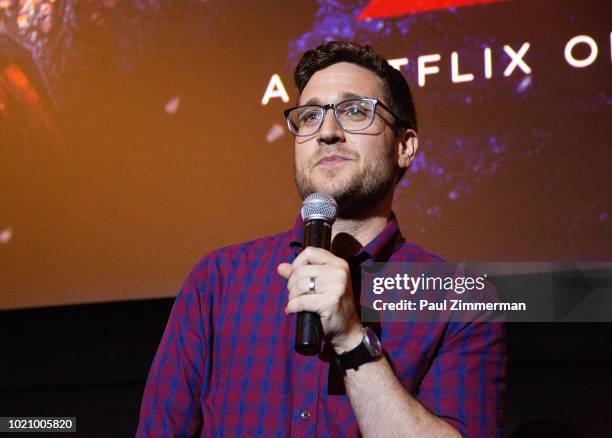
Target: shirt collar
[(388, 241)]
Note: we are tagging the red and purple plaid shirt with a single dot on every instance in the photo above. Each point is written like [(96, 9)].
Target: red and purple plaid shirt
[(226, 364)]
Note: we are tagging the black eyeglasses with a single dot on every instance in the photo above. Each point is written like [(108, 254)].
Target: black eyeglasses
[(352, 115)]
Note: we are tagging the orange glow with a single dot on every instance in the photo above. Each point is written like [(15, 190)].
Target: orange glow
[(19, 80), (23, 91)]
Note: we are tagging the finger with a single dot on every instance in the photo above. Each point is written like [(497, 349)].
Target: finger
[(301, 287), (306, 271), (306, 303), (285, 270), (326, 280), (316, 256)]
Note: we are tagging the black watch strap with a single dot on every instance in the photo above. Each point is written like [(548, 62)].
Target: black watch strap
[(354, 358), (361, 354)]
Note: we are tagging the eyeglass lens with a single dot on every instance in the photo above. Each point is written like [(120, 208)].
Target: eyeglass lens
[(352, 115)]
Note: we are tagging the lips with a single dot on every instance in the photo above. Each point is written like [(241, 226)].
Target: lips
[(332, 159)]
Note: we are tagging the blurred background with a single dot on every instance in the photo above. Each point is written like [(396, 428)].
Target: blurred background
[(136, 136)]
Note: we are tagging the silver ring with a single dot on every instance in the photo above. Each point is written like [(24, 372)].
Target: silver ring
[(311, 286)]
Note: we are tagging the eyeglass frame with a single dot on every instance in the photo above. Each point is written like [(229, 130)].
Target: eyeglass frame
[(334, 106)]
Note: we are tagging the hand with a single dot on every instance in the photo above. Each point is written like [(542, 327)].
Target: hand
[(333, 298)]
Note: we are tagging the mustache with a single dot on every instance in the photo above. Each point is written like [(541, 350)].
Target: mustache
[(348, 155)]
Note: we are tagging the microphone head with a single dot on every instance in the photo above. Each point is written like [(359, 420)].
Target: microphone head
[(319, 206)]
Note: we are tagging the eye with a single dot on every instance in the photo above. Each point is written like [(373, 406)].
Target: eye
[(355, 111), (310, 116)]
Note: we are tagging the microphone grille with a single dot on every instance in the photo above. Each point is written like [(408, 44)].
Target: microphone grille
[(319, 206)]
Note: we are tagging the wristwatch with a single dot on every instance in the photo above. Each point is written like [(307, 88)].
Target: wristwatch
[(368, 350)]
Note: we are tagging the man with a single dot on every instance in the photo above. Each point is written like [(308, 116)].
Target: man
[(226, 365)]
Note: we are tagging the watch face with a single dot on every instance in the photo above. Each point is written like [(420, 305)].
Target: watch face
[(372, 343)]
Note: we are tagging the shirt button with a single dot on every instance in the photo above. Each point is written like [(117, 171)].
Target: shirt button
[(305, 415)]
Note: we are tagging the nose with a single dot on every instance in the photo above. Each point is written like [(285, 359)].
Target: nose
[(331, 132)]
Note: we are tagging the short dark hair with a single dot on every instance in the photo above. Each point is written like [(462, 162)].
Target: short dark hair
[(395, 88)]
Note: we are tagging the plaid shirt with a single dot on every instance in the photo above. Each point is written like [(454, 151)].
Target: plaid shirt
[(226, 365)]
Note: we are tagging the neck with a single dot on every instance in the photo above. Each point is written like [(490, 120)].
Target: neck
[(351, 234)]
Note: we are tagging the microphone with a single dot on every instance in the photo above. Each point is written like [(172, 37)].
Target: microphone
[(318, 213)]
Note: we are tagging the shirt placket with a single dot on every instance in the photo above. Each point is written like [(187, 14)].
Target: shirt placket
[(306, 386), (306, 402)]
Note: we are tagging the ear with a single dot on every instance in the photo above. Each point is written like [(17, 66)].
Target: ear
[(407, 145)]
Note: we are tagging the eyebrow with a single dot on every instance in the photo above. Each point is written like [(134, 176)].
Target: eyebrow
[(343, 96)]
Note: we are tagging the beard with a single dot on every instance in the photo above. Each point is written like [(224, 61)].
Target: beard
[(357, 196)]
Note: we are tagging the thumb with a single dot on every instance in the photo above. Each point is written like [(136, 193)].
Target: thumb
[(285, 270)]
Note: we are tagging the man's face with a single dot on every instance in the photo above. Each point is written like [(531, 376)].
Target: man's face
[(357, 169)]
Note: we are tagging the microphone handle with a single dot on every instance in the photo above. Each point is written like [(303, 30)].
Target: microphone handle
[(308, 330)]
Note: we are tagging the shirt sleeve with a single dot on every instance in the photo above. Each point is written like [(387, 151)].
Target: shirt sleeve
[(170, 405), (466, 381)]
